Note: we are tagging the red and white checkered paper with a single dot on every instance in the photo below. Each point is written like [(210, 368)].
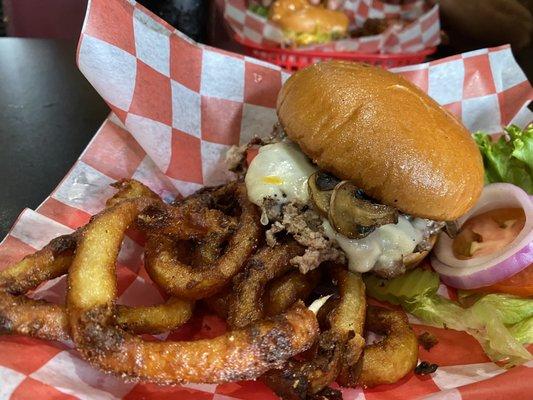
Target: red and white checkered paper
[(178, 106), (422, 33)]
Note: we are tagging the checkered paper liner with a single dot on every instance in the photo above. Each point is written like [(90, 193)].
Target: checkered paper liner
[(422, 33), (177, 107)]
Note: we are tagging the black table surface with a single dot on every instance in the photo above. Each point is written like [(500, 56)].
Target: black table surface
[(48, 114)]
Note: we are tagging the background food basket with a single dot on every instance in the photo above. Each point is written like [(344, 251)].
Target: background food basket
[(291, 59), (396, 46)]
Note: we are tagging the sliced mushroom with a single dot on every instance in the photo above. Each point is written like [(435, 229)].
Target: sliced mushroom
[(325, 181), (320, 186), (353, 215)]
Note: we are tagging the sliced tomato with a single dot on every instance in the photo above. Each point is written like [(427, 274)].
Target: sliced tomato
[(520, 284)]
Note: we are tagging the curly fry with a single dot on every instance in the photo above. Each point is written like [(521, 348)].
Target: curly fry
[(130, 189), (237, 355), (395, 356), (166, 267), (281, 293), (38, 318), (338, 347), (246, 304), (48, 263)]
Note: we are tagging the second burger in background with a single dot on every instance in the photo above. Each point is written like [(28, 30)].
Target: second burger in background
[(368, 169), (304, 24)]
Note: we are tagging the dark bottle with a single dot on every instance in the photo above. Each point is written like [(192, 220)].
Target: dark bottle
[(188, 16)]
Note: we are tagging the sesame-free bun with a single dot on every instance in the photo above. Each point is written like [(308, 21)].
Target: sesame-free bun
[(373, 127)]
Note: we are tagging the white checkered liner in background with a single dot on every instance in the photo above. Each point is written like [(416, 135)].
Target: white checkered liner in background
[(422, 33)]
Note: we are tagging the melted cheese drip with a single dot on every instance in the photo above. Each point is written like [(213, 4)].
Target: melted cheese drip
[(279, 171), (385, 245)]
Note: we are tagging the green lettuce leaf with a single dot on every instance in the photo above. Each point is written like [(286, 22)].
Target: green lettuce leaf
[(307, 38), (510, 309), (413, 283), (496, 338), (523, 144), (258, 9), (510, 158), (493, 319), (523, 331)]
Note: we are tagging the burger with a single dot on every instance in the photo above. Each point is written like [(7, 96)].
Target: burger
[(304, 24), (363, 168)]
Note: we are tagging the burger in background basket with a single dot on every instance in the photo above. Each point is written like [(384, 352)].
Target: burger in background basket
[(304, 24)]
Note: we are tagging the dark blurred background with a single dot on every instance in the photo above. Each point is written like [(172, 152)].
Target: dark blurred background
[(62, 19)]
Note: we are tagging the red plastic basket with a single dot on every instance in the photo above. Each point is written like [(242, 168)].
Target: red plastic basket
[(297, 59)]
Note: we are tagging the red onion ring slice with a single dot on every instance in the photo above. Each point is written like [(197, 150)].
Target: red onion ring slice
[(487, 270)]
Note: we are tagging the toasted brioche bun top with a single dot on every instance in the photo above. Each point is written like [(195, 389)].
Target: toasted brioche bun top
[(302, 17), (373, 127)]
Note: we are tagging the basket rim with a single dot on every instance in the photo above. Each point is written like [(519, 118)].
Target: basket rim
[(317, 53)]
